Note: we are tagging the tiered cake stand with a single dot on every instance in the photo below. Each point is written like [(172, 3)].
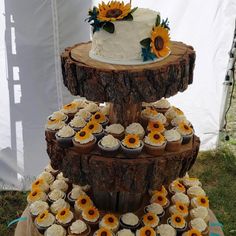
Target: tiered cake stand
[(118, 182)]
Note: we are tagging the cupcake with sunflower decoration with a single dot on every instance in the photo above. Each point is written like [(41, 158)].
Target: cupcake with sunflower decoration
[(70, 110), (179, 208), (180, 197), (74, 194), (176, 187), (84, 141), (77, 123), (109, 221), (162, 191), (186, 132), (165, 230), (162, 105), (91, 216), (116, 130), (173, 112), (41, 184), (44, 220), (200, 225), (192, 232), (100, 118), (58, 115), (150, 219), (174, 140), (146, 231), (154, 143), (95, 128), (103, 232), (132, 145), (47, 176), (200, 200), (52, 127), (135, 128), (109, 145), (82, 202), (156, 209), (64, 136), (92, 107), (64, 217), (79, 228), (36, 194), (160, 199), (178, 222), (58, 205), (80, 103), (155, 126), (84, 114), (148, 114), (129, 221)]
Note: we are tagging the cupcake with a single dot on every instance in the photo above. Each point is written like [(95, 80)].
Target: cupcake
[(200, 212), (64, 217), (44, 220), (59, 184), (84, 141), (58, 205), (92, 107), (192, 232), (132, 145), (125, 232), (109, 145), (161, 105), (64, 136), (58, 115), (74, 194), (179, 208), (160, 199), (135, 128), (200, 200), (154, 143), (162, 191), (47, 176), (150, 219), (179, 119), (165, 230), (83, 113), (100, 118), (103, 232), (109, 221), (200, 225), (37, 208), (91, 216), (80, 103), (129, 221), (190, 182), (51, 128), (41, 184), (56, 194), (79, 228), (36, 194), (60, 176), (195, 191), (70, 110), (173, 112), (77, 123), (176, 187), (95, 128), (50, 170), (146, 231), (180, 197), (82, 202), (174, 140), (148, 114), (156, 126), (55, 230), (86, 188), (116, 130), (161, 118), (186, 132), (178, 222), (155, 208)]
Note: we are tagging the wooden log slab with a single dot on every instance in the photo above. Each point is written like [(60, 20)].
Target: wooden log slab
[(122, 84)]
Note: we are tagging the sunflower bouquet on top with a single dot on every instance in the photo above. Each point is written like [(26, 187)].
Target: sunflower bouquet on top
[(101, 17)]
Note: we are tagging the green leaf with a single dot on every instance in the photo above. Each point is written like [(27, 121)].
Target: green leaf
[(109, 27), (158, 20), (133, 10), (146, 42), (129, 17)]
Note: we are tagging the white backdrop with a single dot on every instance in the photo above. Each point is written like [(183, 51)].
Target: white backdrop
[(34, 32)]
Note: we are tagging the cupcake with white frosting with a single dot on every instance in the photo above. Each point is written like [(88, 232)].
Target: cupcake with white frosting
[(161, 105), (186, 132), (129, 221), (58, 205), (125, 232), (44, 220), (59, 184), (38, 207), (56, 194), (55, 230), (161, 118), (83, 113), (64, 136), (135, 128), (47, 176), (179, 208), (52, 127), (79, 228), (174, 140), (80, 103), (148, 114), (200, 212), (155, 208), (173, 112), (195, 191), (64, 217), (180, 197), (74, 194), (58, 115), (179, 119), (190, 182), (51, 170), (109, 145), (200, 225), (36, 194), (116, 130), (165, 230), (92, 107), (61, 176), (77, 123), (109, 221)]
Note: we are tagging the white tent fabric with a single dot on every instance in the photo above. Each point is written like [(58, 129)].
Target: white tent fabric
[(32, 35)]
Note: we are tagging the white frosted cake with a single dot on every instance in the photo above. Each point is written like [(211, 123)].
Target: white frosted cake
[(121, 43)]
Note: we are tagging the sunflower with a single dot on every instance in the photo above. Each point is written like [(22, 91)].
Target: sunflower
[(178, 221), (160, 199), (202, 201), (149, 112), (147, 231), (178, 187), (162, 191), (99, 117), (83, 201), (90, 213), (70, 107), (182, 208), (193, 232), (83, 134), (131, 141), (156, 137), (156, 126), (103, 231), (160, 41), (150, 218), (35, 194), (42, 216), (93, 126), (111, 220), (63, 214), (113, 11)]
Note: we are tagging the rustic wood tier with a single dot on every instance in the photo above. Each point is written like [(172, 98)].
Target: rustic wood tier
[(130, 178)]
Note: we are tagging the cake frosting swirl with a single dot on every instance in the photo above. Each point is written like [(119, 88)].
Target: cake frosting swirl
[(55, 230), (38, 207), (77, 122), (172, 135), (109, 141), (58, 205), (78, 227), (66, 132), (56, 194), (115, 129)]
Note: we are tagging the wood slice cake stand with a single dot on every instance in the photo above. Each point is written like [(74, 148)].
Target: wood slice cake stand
[(120, 183)]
